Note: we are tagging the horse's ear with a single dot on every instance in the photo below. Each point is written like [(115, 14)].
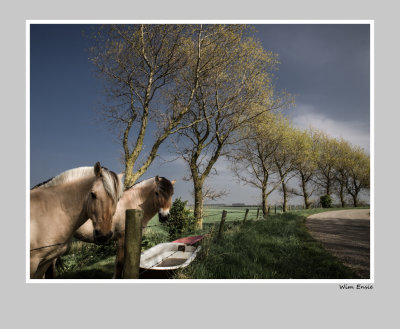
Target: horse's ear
[(120, 175), (157, 179), (173, 182), (97, 169)]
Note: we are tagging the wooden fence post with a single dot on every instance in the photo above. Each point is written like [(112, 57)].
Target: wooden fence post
[(275, 209), (221, 224), (258, 212), (133, 243), (245, 215)]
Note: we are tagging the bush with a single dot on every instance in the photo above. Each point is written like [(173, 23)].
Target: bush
[(180, 220), (326, 201)]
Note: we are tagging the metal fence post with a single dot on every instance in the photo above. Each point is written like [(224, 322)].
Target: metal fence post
[(133, 242), (258, 212)]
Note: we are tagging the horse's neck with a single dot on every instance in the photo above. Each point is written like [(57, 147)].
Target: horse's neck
[(142, 196), (73, 197)]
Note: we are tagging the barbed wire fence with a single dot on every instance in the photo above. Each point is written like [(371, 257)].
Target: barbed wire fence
[(272, 210), (230, 216), (236, 216)]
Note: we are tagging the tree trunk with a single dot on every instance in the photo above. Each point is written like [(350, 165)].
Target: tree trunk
[(198, 205), (328, 187), (307, 202), (341, 195), (355, 200), (129, 180), (285, 197), (264, 201)]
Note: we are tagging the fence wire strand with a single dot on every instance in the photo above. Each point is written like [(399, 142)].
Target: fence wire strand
[(210, 215), (51, 245)]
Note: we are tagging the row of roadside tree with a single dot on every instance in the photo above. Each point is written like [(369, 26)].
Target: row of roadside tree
[(274, 152), (209, 91)]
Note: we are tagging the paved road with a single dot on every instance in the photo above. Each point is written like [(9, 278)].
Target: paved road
[(346, 234)]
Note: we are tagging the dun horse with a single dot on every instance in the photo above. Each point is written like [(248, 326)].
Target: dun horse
[(151, 196), (62, 204)]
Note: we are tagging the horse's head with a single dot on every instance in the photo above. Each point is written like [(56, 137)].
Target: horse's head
[(163, 194), (102, 202)]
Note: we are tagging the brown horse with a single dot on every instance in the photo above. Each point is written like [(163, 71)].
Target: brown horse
[(62, 204), (151, 196)]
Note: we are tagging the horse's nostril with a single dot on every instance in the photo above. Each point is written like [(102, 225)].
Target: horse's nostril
[(163, 218), (101, 238)]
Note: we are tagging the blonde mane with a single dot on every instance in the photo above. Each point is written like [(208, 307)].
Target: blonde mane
[(145, 182), (112, 183), (67, 176)]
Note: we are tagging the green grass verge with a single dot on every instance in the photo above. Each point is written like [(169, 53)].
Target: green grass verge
[(278, 247)]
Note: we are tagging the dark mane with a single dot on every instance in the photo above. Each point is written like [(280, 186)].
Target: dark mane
[(166, 186), (42, 183)]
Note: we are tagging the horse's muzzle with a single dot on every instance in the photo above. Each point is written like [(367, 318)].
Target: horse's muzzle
[(100, 238), (163, 218)]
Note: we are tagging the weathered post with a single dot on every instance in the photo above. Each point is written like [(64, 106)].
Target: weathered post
[(275, 209), (221, 224), (133, 242), (258, 212), (245, 215)]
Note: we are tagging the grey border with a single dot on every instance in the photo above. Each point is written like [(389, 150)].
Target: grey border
[(241, 305)]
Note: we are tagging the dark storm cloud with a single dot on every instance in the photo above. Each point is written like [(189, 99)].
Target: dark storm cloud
[(326, 66)]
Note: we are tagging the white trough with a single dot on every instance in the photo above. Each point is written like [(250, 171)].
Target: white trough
[(168, 256)]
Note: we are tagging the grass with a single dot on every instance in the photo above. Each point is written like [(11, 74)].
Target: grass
[(279, 247), (87, 261)]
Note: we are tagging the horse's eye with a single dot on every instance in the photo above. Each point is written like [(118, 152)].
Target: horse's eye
[(157, 193), (93, 195)]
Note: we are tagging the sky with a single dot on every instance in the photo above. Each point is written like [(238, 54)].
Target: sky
[(326, 66)]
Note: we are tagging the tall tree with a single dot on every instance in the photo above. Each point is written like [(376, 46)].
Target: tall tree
[(235, 89), (342, 168), (326, 149), (253, 159), (358, 173), (305, 164), (138, 63), (285, 156)]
